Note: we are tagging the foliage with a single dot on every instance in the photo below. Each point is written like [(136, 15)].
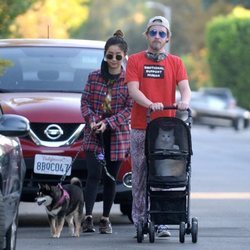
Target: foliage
[(55, 17), (228, 40), (208, 3), (129, 16), (198, 69), (4, 64), (9, 9), (132, 16)]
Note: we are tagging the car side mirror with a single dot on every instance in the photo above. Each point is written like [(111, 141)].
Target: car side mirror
[(14, 125)]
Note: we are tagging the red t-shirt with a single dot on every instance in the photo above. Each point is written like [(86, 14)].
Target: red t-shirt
[(157, 80)]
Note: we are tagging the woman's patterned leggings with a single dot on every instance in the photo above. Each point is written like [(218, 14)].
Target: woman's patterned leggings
[(138, 161)]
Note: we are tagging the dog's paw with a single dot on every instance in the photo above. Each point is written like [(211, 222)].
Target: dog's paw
[(75, 235), (56, 235)]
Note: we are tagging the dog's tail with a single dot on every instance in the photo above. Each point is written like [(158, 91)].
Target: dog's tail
[(76, 181)]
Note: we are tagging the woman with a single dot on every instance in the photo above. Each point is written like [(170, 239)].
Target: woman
[(106, 107)]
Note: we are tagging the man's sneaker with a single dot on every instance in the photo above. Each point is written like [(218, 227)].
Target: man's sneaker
[(162, 231), (88, 225), (105, 226)]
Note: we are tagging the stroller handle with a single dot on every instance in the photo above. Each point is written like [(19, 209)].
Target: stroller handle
[(188, 110)]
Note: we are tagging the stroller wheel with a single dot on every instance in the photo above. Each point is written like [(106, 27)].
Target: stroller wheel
[(139, 231), (194, 229), (182, 232), (151, 228)]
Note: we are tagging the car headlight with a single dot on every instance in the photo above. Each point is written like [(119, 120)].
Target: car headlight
[(127, 180)]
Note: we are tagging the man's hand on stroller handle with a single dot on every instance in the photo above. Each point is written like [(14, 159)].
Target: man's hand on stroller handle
[(182, 105), (156, 106)]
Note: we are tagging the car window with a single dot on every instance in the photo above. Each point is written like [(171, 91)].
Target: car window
[(207, 102), (47, 68)]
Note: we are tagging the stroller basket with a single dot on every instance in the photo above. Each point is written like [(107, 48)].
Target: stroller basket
[(169, 208)]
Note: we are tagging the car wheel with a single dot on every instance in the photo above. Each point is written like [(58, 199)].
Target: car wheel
[(11, 234), (126, 209), (211, 126), (2, 223), (239, 124)]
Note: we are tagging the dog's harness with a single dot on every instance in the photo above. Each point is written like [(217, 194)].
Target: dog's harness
[(65, 196)]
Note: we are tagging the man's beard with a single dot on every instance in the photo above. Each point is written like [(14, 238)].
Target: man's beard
[(156, 46)]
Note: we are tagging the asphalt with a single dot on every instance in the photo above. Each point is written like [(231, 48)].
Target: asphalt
[(30, 214)]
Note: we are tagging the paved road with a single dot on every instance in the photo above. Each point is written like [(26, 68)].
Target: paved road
[(220, 198)]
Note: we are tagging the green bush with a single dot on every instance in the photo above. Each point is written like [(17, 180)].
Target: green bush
[(228, 43)]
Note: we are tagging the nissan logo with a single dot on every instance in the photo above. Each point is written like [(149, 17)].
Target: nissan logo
[(53, 131)]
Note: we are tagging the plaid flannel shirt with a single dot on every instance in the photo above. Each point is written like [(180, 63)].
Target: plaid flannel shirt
[(119, 122)]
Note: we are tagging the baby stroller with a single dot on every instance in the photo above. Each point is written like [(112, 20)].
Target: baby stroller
[(168, 151)]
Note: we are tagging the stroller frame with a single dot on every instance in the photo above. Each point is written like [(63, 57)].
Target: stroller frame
[(168, 194)]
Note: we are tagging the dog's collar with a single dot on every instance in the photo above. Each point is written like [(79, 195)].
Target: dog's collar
[(65, 196)]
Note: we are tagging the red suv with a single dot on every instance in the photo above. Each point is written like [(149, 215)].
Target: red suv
[(42, 79)]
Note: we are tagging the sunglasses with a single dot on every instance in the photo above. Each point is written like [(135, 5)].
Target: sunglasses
[(153, 33), (117, 57)]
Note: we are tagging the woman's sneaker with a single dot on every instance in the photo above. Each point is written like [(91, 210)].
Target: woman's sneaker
[(162, 231), (88, 225), (105, 226)]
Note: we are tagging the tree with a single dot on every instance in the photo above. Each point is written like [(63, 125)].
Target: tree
[(55, 17), (187, 24), (9, 9), (208, 3), (125, 15), (197, 68), (228, 39)]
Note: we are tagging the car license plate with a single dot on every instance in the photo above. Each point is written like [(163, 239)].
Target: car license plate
[(52, 164)]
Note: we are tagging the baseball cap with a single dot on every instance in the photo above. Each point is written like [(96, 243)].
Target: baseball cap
[(158, 20)]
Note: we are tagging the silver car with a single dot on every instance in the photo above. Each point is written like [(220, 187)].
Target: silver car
[(216, 107), (12, 171)]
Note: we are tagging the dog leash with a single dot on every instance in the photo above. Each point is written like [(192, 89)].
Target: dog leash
[(67, 169), (100, 157)]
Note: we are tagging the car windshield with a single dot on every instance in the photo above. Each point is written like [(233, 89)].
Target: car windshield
[(47, 68)]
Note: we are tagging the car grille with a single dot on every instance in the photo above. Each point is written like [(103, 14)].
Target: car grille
[(55, 135), (39, 130)]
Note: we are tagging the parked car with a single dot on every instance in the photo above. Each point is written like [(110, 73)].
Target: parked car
[(224, 94), (43, 80), (12, 171), (216, 107)]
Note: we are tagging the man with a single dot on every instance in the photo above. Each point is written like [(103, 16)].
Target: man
[(152, 77)]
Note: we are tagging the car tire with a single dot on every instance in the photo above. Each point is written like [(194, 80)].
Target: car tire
[(11, 234), (126, 209), (2, 222), (239, 124)]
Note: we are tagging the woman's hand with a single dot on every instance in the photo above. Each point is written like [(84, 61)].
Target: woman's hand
[(93, 126), (100, 127)]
